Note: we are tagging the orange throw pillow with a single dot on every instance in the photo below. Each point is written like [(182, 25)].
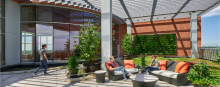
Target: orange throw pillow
[(107, 65), (182, 67), (163, 64), (129, 64)]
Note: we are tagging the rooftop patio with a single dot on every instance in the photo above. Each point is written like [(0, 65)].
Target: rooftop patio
[(181, 18)]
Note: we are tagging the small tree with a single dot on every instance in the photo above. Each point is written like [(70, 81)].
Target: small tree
[(89, 42), (127, 44)]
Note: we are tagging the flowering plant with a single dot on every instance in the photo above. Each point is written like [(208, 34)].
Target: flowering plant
[(201, 75)]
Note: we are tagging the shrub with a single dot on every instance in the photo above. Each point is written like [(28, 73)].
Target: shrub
[(73, 64), (200, 74)]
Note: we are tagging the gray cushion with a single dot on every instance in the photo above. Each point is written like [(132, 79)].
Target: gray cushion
[(119, 63), (164, 73), (171, 66), (130, 70)]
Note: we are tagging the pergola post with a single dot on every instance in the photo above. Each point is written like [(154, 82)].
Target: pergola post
[(106, 32), (128, 22), (193, 34)]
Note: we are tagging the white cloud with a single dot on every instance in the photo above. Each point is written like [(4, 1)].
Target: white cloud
[(213, 12)]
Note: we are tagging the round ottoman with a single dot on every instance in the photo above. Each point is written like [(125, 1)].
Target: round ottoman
[(143, 80), (100, 76)]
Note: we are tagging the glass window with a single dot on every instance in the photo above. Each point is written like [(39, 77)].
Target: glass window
[(28, 28), (89, 17), (28, 13), (2, 25), (72, 44), (76, 17), (61, 48), (61, 15), (44, 29), (44, 13), (61, 29), (2, 49), (48, 40), (28, 49), (74, 30)]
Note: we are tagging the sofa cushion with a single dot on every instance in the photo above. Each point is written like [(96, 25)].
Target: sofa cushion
[(119, 63), (130, 70), (171, 66), (182, 67), (165, 73), (107, 65), (129, 64), (163, 64)]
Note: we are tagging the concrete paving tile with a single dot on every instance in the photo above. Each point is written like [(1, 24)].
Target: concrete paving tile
[(31, 85), (18, 84), (4, 77), (48, 85)]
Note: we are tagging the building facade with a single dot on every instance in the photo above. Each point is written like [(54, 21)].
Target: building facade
[(25, 26)]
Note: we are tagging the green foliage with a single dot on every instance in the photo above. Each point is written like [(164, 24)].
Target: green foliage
[(164, 44), (218, 56), (89, 42), (73, 64), (200, 74), (127, 44)]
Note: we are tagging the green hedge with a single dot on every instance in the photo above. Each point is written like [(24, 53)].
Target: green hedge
[(163, 44)]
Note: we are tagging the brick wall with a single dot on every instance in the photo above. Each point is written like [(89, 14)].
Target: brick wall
[(180, 27)]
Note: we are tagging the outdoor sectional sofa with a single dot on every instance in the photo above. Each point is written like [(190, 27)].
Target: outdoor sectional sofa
[(117, 75), (173, 72)]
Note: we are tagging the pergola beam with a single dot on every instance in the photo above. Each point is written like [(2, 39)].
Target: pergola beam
[(161, 14), (209, 8), (184, 5), (129, 16), (153, 10)]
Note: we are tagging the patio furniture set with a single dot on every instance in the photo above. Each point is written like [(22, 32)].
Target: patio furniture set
[(172, 72)]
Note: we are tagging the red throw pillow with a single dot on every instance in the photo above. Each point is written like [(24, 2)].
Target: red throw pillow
[(107, 65), (182, 67), (163, 64), (129, 64)]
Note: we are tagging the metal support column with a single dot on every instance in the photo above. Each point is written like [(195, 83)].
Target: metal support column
[(106, 32), (193, 35)]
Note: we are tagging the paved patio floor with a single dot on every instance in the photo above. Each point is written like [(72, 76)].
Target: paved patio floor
[(56, 79)]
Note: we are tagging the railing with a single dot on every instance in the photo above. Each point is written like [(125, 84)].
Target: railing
[(208, 52)]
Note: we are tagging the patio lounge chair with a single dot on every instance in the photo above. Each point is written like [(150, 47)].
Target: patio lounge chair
[(170, 75), (117, 75)]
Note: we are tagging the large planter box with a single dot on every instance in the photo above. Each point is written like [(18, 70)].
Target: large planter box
[(91, 67)]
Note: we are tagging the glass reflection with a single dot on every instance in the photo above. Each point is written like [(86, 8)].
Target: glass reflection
[(44, 29), (61, 29), (28, 49), (72, 44), (61, 48), (44, 13), (28, 13), (61, 15), (74, 30), (48, 40), (28, 28), (2, 49)]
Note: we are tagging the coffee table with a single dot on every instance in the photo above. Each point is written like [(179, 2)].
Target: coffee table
[(143, 80)]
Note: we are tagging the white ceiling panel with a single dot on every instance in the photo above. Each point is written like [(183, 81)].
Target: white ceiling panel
[(168, 6)]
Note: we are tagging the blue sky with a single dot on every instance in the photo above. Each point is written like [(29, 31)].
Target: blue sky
[(211, 27)]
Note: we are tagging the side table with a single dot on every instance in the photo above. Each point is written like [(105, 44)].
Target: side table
[(100, 76)]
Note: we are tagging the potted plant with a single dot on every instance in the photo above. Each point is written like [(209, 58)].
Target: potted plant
[(88, 45), (201, 76), (72, 66), (127, 46)]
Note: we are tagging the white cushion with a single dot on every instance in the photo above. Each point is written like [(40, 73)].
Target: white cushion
[(164, 73), (130, 70)]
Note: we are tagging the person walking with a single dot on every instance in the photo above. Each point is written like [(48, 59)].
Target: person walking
[(43, 60)]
